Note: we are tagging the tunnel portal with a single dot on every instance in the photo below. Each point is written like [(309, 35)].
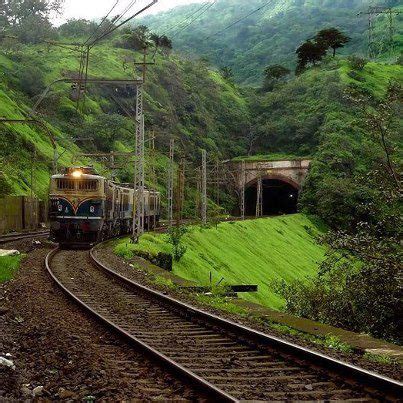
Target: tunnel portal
[(278, 197)]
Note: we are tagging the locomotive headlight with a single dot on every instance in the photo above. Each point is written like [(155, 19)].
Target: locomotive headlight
[(77, 174)]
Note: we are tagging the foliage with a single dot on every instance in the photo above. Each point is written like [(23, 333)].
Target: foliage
[(227, 73), (274, 74), (29, 19), (175, 236), (309, 52), (249, 252), (105, 130), (78, 28), (30, 79), (357, 286), (135, 38), (331, 38), (267, 37), (8, 266), (356, 62)]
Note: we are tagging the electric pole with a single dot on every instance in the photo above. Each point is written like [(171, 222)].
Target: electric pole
[(373, 12), (204, 188), (259, 198), (170, 186), (180, 189), (138, 225), (243, 180)]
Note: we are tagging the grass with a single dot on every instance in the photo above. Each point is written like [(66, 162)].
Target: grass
[(250, 252), (374, 78), (270, 157), (8, 266)]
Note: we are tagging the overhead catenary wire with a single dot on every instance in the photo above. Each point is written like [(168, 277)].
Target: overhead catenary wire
[(101, 23), (179, 25), (238, 21), (124, 22), (195, 18)]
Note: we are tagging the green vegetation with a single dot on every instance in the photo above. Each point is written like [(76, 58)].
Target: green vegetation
[(379, 358), (271, 35), (8, 266), (249, 252), (183, 98)]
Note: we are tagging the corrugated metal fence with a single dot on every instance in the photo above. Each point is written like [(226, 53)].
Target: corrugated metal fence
[(19, 213)]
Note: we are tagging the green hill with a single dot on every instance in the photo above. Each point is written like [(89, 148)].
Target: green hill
[(268, 36), (249, 252), (183, 99)]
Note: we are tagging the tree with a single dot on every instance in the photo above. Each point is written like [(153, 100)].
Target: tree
[(310, 52), (226, 73), (331, 38), (161, 41), (136, 39), (30, 19), (274, 74), (76, 28), (175, 235)]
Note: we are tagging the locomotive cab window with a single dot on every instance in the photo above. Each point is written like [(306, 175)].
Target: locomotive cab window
[(65, 184), (88, 184)]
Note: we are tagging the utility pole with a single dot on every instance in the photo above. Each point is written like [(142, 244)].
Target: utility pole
[(243, 180), (198, 191), (180, 189), (170, 186), (204, 188), (153, 177), (259, 197), (372, 13), (138, 224), (218, 181)]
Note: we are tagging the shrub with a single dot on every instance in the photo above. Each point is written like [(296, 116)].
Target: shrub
[(357, 63), (175, 235), (31, 80)]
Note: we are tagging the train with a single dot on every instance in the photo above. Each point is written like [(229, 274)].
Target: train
[(86, 208)]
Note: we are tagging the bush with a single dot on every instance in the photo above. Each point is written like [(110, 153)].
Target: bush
[(356, 290), (357, 63), (175, 235), (31, 80)]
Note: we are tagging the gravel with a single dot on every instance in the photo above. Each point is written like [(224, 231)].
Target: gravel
[(61, 353)]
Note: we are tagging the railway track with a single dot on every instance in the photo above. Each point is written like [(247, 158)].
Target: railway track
[(224, 360), (18, 236)]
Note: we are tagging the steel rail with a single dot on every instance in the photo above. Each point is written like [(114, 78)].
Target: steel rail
[(367, 378), (16, 237), (206, 386)]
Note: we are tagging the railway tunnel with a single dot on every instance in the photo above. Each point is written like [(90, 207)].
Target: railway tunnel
[(278, 196), (280, 182)]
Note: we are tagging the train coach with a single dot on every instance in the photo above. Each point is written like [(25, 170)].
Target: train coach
[(86, 208)]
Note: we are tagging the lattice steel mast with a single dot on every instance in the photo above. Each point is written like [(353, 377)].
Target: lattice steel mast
[(138, 205), (259, 197), (170, 185), (204, 188), (243, 181)]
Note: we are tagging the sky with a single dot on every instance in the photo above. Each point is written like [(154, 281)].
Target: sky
[(95, 9)]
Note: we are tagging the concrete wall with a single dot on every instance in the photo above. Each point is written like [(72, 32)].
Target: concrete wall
[(19, 213)]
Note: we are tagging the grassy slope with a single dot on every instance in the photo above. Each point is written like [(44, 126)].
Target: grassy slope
[(250, 252), (8, 266), (174, 87)]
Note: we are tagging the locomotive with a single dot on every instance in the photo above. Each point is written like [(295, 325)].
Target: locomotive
[(86, 208)]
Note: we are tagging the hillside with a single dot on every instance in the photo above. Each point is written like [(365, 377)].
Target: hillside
[(266, 37), (183, 99), (250, 252)]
